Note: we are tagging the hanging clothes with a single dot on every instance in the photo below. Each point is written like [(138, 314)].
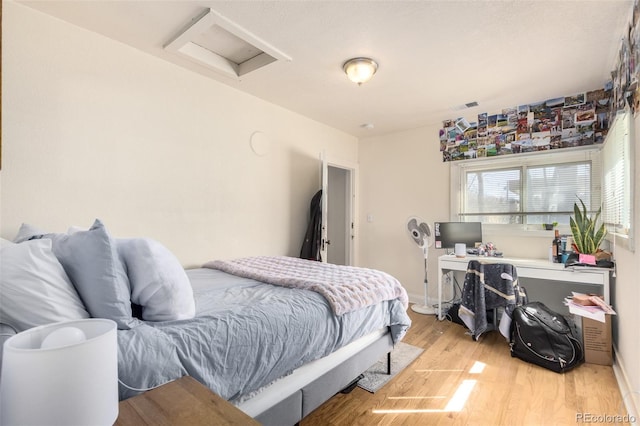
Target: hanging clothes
[(313, 237)]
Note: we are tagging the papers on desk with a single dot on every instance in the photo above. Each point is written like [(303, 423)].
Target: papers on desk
[(596, 312)]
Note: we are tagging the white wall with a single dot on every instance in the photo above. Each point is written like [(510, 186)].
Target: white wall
[(401, 175), (93, 128)]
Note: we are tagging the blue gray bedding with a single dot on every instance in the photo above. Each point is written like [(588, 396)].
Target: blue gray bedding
[(245, 335)]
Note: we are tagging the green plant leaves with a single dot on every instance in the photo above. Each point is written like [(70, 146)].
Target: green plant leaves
[(583, 228)]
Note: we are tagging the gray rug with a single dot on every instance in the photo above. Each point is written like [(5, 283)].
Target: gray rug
[(401, 356)]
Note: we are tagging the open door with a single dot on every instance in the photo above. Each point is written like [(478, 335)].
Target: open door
[(324, 178), (338, 211)]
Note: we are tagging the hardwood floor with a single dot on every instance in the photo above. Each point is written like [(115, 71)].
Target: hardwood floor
[(457, 381)]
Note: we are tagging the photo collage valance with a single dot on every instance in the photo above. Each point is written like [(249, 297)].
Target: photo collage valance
[(563, 122)]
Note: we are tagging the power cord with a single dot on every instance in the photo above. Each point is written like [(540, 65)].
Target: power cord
[(136, 389)]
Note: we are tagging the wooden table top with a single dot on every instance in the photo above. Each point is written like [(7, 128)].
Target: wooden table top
[(182, 402)]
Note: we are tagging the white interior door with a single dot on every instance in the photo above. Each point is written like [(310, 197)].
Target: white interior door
[(338, 211), (339, 220), (324, 236)]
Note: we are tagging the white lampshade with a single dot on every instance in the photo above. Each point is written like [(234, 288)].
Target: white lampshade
[(73, 380), (360, 70)]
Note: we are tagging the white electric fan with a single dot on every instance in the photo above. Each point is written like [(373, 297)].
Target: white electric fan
[(420, 233)]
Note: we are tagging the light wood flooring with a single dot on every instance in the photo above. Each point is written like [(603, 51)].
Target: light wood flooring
[(457, 381)]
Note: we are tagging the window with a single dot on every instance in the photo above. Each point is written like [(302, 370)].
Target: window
[(617, 209), (526, 190)]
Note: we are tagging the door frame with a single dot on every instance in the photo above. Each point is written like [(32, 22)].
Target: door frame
[(351, 207)]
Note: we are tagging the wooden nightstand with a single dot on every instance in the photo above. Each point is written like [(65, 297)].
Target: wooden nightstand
[(182, 402)]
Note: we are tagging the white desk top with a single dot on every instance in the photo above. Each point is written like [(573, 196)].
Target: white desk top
[(540, 269), (522, 262)]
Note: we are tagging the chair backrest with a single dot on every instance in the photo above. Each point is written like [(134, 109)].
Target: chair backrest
[(488, 286), (499, 282)]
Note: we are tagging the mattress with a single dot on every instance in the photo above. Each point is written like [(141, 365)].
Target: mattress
[(246, 335)]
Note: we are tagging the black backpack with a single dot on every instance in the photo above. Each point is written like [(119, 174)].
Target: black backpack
[(543, 337)]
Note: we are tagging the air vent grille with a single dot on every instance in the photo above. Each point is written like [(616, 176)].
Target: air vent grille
[(465, 106), (216, 42)]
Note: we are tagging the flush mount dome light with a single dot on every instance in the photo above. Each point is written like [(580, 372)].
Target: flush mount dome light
[(360, 70)]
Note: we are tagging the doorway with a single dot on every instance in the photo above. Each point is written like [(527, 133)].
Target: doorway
[(338, 213), (338, 217)]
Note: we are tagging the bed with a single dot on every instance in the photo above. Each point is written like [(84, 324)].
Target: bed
[(276, 336)]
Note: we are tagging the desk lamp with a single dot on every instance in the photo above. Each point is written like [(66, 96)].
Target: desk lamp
[(61, 374)]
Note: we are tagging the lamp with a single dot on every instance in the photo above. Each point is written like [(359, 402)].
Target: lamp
[(61, 374), (360, 70)]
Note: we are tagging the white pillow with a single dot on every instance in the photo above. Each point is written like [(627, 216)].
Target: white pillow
[(4, 243), (158, 282), (35, 288)]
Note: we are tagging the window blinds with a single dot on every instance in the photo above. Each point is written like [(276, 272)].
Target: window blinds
[(532, 190), (616, 185)]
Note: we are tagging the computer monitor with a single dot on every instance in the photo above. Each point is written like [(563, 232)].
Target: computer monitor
[(447, 234)]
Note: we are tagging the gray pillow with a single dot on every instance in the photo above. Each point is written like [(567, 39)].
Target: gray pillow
[(91, 261)]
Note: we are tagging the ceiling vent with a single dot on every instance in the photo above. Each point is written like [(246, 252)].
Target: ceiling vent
[(465, 106), (222, 45)]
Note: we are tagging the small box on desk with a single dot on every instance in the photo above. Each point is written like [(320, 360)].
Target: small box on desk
[(596, 338)]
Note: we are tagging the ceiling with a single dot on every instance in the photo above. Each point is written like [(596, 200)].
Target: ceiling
[(434, 56)]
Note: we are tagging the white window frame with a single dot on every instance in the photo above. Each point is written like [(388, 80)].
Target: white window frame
[(567, 155), (619, 198)]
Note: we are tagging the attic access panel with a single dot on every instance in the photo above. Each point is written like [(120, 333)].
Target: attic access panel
[(216, 42)]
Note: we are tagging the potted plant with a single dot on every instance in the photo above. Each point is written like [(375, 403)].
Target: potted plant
[(587, 236), (549, 226)]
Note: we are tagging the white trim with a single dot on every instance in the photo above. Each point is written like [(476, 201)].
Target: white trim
[(626, 391)]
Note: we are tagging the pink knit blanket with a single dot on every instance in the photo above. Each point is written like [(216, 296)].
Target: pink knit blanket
[(346, 288)]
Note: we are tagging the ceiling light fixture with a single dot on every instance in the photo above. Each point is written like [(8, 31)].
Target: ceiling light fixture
[(360, 70)]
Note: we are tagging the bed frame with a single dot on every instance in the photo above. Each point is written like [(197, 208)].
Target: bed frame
[(290, 399)]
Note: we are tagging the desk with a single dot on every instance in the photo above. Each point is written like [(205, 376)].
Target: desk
[(527, 268)]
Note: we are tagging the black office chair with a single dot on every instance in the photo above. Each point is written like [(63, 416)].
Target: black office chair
[(489, 288)]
